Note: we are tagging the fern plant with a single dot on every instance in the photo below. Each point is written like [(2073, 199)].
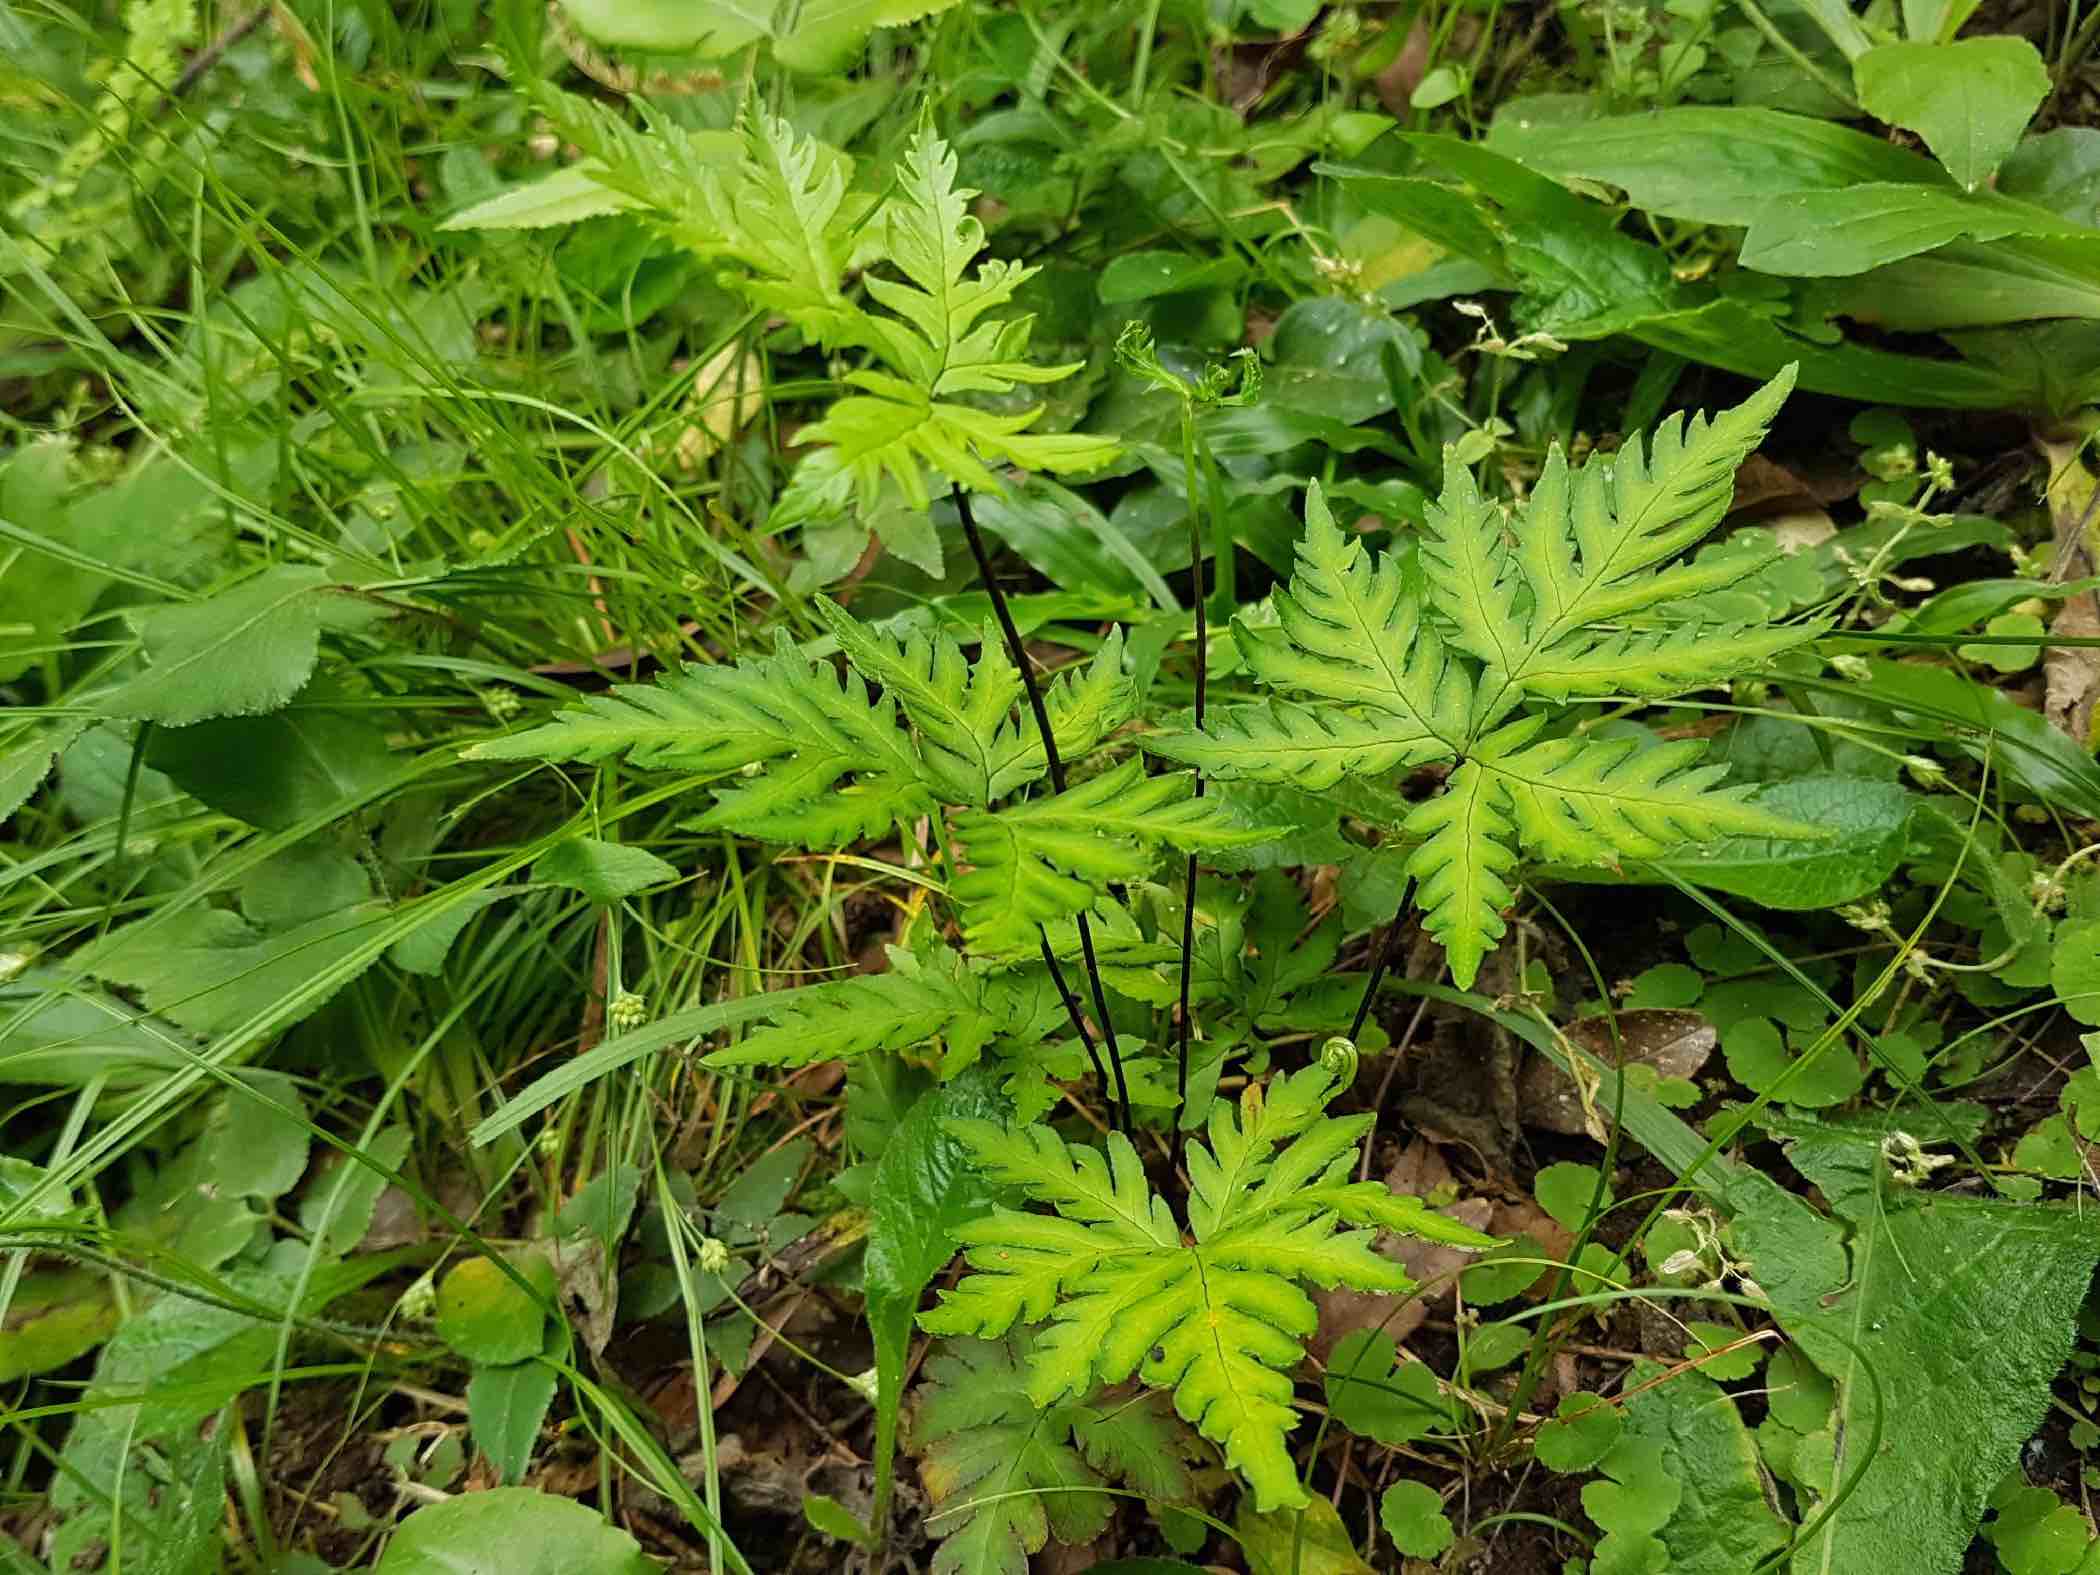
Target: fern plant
[(1459, 660), (782, 213), (1044, 831), (1215, 1314)]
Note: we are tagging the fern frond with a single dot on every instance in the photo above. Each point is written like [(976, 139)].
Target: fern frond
[(1298, 746), (969, 738), (724, 718), (1462, 866), (939, 346), (922, 998), (1216, 1318), (1587, 801), (1049, 858), (804, 726), (1353, 635)]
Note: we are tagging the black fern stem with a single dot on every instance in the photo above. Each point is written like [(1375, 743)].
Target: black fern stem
[(1057, 781), (1188, 900), (1385, 957)]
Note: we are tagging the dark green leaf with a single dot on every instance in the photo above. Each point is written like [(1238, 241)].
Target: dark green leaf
[(1969, 100), (505, 1407), (301, 763), (926, 1188), (603, 871)]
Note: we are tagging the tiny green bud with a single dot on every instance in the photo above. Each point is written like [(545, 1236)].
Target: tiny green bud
[(627, 1012), (1852, 667), (714, 1255), (1927, 773)]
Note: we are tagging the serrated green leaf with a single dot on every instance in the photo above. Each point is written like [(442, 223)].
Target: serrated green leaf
[(1044, 860), (603, 871), (1218, 1321), (1462, 865), (240, 653)]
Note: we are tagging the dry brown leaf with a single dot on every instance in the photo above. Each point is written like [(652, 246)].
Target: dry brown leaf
[(2072, 672), (1675, 1043)]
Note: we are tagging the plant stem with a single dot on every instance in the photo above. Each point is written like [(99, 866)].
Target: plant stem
[(1188, 902), (1385, 958), (1057, 782)]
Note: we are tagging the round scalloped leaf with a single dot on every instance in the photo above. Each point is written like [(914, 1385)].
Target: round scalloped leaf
[(1583, 1430), (1413, 1516)]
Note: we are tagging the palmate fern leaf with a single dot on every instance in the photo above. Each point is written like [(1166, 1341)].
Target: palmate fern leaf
[(940, 345), (1049, 858), (1220, 1319), (1569, 599)]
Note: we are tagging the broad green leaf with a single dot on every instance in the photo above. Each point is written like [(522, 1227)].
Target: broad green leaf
[(1828, 234), (1866, 825), (925, 1190), (1379, 1399), (704, 28), (243, 652), (26, 759), (567, 196), (510, 1531), (160, 1464), (505, 1407), (54, 1317), (1139, 276), (1312, 1540), (1723, 1524), (1711, 166), (486, 1316), (2074, 969), (1584, 1429), (1963, 1309), (1988, 726), (208, 970), (61, 1032), (605, 872), (302, 763), (828, 36), (1969, 100)]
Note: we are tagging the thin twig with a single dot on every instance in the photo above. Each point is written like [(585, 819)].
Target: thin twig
[(1056, 764)]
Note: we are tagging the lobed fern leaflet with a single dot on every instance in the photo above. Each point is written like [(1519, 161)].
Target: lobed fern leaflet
[(1567, 600), (933, 995), (1049, 858), (1216, 1317), (824, 760), (1006, 1474)]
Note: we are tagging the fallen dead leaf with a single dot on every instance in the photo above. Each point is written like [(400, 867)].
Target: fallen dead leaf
[(1675, 1043), (2072, 672), (1419, 1170)]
